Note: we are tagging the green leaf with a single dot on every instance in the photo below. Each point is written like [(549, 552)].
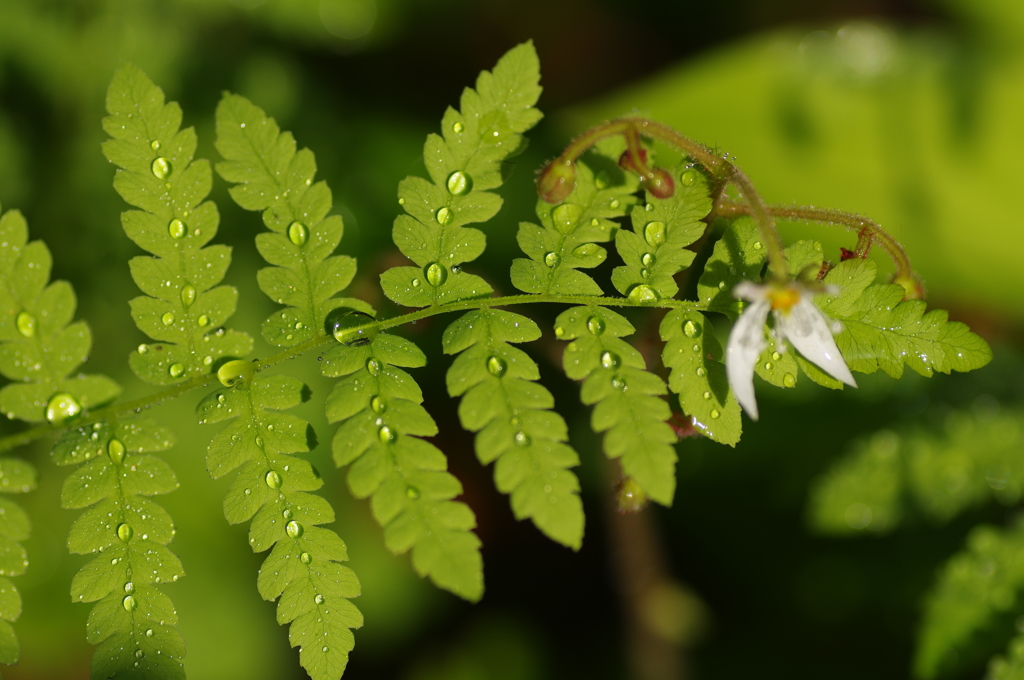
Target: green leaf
[(270, 175), (739, 255), (698, 375), (463, 163), (406, 478), (973, 587), (270, 489), (655, 249), (183, 305), (881, 331), (9, 647), (566, 240), (626, 397), (515, 425)]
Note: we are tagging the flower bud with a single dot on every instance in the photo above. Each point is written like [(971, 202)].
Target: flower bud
[(659, 183), (630, 163), (912, 285), (557, 180)]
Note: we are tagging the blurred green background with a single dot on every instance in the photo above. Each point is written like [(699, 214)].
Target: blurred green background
[(909, 111)]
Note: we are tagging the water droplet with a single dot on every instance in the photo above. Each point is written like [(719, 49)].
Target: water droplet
[(776, 356), (552, 259), (177, 229), (325, 649), (457, 128), (116, 451), (706, 395), (129, 603), (155, 145), (559, 332), (298, 233), (647, 260), (221, 399), (149, 632), (167, 318), (643, 295), (26, 324), (654, 232), (143, 348), (287, 513), (715, 413), (586, 250), (129, 587), (436, 274), (352, 329), (385, 434), (237, 372), (203, 321), (688, 178), (373, 366), (496, 366), (188, 295), (609, 360), (757, 245), (768, 365), (305, 558), (139, 654), (161, 168), (789, 380), (566, 216), (415, 283), (619, 384), (690, 328), (445, 216), (319, 599), (459, 183), (401, 201), (701, 372), (61, 407), (294, 529), (412, 493), (595, 325), (273, 479), (614, 204), (378, 405), (125, 532), (521, 439)]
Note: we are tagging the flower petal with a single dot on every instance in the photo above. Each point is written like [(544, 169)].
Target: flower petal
[(746, 342), (806, 327)]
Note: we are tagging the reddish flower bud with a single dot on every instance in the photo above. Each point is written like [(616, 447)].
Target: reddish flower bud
[(845, 254), (659, 183), (557, 180), (628, 162)]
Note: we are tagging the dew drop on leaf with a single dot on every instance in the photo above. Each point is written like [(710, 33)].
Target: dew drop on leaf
[(707, 395), (238, 372), (595, 325), (551, 259), (436, 274), (373, 366), (143, 348), (305, 558), (609, 360), (412, 493), (26, 324), (758, 245), (458, 183), (188, 295), (776, 356), (647, 259), (177, 229), (566, 216), (445, 216), (614, 204), (521, 439), (294, 529), (690, 329), (378, 405), (789, 380), (701, 372), (203, 321), (688, 178), (559, 331), (176, 370), (385, 435), (319, 599), (149, 632), (155, 145), (715, 413), (654, 232), (287, 513), (129, 587), (139, 654), (643, 295), (298, 233), (116, 451), (619, 384), (768, 366), (586, 250), (457, 128), (273, 479), (125, 532), (167, 318), (61, 407), (161, 168), (352, 329), (129, 603), (496, 366)]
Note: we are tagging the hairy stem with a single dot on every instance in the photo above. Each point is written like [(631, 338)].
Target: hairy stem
[(138, 405)]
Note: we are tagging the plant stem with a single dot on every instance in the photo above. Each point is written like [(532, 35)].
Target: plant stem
[(137, 406)]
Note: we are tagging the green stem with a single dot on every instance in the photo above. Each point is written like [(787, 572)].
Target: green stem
[(137, 406)]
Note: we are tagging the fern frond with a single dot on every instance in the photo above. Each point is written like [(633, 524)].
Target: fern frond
[(378, 406), (625, 396), (973, 587), (16, 476), (270, 175), (183, 306), (271, 488), (662, 228), (463, 165), (567, 237), (133, 621), (513, 418)]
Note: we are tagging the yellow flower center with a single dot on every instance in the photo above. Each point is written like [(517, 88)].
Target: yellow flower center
[(783, 299)]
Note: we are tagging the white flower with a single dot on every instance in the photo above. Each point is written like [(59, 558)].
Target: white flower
[(796, 320)]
